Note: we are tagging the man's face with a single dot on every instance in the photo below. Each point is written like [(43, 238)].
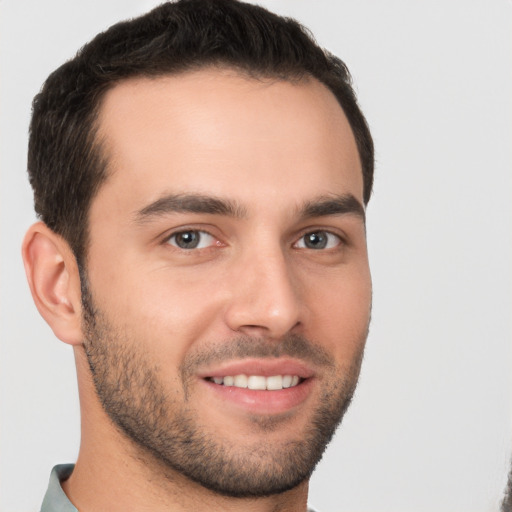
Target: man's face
[(227, 255)]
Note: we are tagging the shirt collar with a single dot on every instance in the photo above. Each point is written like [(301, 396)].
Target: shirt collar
[(55, 499)]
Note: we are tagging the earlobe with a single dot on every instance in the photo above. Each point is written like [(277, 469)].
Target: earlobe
[(52, 274)]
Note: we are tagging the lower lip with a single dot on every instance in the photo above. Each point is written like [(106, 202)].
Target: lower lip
[(263, 402)]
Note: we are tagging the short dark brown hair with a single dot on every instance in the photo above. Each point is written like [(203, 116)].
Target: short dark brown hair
[(506, 504), (65, 163)]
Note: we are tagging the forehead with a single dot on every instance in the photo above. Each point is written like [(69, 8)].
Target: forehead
[(218, 132)]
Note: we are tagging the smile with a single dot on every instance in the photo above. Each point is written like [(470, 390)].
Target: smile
[(258, 382)]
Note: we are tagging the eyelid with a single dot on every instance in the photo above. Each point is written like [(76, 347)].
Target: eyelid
[(300, 243), (342, 238), (185, 229)]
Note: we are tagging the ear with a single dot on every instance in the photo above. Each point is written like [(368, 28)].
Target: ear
[(54, 281)]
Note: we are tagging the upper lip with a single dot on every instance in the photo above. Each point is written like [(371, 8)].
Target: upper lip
[(263, 367)]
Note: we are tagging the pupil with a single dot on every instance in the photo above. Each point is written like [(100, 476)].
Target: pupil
[(187, 239), (316, 240)]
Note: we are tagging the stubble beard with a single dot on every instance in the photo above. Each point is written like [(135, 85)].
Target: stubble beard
[(167, 432)]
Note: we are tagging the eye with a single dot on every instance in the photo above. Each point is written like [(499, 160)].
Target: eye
[(191, 239), (318, 240)]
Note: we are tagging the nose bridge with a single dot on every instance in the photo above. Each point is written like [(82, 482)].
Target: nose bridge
[(265, 296)]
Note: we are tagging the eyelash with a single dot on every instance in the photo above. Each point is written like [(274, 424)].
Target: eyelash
[(322, 232), (317, 233), (202, 233)]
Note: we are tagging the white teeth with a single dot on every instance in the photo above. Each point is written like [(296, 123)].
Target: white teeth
[(258, 382), (274, 382), (240, 381), (287, 381)]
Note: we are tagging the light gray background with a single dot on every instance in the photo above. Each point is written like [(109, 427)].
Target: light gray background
[(431, 425)]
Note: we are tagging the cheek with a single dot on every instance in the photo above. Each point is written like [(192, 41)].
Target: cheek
[(341, 313), (163, 309)]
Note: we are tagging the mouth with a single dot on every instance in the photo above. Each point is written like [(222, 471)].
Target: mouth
[(258, 382), (260, 386)]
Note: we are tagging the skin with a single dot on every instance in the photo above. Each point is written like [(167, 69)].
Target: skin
[(271, 147)]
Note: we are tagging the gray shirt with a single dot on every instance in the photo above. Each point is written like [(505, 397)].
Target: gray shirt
[(55, 499)]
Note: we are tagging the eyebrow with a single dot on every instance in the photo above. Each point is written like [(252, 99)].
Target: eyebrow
[(190, 203), (323, 206)]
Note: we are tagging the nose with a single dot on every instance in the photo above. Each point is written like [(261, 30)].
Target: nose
[(264, 297)]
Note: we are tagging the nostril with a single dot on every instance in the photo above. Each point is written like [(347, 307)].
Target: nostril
[(253, 330)]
